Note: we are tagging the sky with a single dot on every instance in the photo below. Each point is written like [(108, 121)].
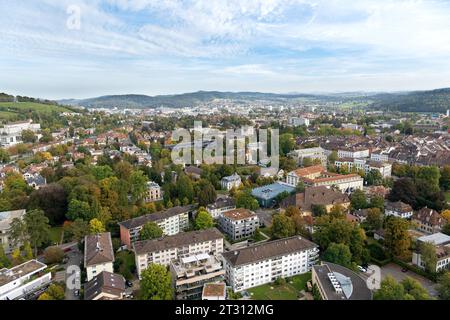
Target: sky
[(59, 49)]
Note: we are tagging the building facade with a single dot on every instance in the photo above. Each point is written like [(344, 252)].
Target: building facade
[(11, 134), (154, 192), (163, 251), (98, 254), (264, 263), (441, 243), (230, 182), (6, 218), (221, 205), (398, 209), (239, 224)]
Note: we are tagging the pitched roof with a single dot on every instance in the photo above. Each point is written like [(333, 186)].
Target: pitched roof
[(175, 241), (430, 216), (98, 249), (105, 282), (399, 206), (319, 195), (157, 216), (268, 250), (302, 172)]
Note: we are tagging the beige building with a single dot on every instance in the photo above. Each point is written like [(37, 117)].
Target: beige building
[(154, 192)]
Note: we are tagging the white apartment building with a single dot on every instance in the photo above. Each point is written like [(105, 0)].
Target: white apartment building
[(442, 245), (6, 218), (299, 121), (23, 279), (11, 134), (98, 254), (311, 153), (353, 153), (385, 169), (239, 223), (264, 263), (163, 251), (398, 209), (317, 176), (171, 221), (230, 182), (153, 193), (380, 157), (221, 205)]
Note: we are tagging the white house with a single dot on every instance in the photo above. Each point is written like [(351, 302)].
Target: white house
[(229, 182), (442, 245), (98, 254), (23, 279), (11, 133), (6, 218), (264, 263)]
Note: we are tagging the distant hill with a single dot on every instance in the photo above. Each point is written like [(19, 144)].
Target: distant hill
[(13, 111), (182, 100), (416, 101)]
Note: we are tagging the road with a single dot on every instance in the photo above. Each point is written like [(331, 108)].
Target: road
[(75, 259), (396, 272)]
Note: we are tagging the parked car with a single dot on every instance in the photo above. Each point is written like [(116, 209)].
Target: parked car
[(128, 283), (404, 270), (362, 269)]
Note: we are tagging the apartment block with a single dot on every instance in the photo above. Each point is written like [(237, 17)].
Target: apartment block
[(171, 221), (163, 251), (239, 223), (264, 263)]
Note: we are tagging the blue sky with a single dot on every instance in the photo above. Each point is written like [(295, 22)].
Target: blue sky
[(173, 46)]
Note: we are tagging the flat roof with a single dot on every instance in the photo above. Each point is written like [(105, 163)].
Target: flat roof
[(435, 238), (353, 286), (239, 214), (29, 267), (272, 190), (214, 290)]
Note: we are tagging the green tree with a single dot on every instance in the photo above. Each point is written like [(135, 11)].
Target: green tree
[(428, 256), (38, 228), (374, 219), (377, 202), (151, 231), (397, 238), (56, 291), (338, 253), (444, 286), (185, 188), (79, 210), (4, 261), (444, 180), (77, 229), (318, 210), (282, 227), (244, 199), (4, 156), (138, 185), (389, 290), (207, 193), (358, 200), (156, 283), (28, 251), (413, 288), (287, 143), (28, 136), (53, 255), (203, 220)]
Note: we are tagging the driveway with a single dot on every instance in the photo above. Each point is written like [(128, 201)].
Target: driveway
[(395, 271), (75, 258)]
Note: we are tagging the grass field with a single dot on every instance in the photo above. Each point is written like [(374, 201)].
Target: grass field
[(55, 234), (10, 110), (288, 291)]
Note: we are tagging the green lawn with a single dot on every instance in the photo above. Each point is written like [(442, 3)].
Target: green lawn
[(125, 264), (55, 234), (11, 110), (288, 291)]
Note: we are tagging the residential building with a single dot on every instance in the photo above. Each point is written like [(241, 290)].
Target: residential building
[(105, 286), (398, 209), (194, 172), (171, 221), (310, 153), (384, 168), (154, 192), (98, 254), (191, 273), (299, 121), (317, 176), (11, 133), (442, 246), (230, 182), (317, 196), (429, 220), (335, 282), (353, 152), (267, 195), (35, 181), (23, 279), (239, 223), (6, 218), (214, 291), (264, 263), (379, 157), (352, 126), (221, 205), (164, 250)]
